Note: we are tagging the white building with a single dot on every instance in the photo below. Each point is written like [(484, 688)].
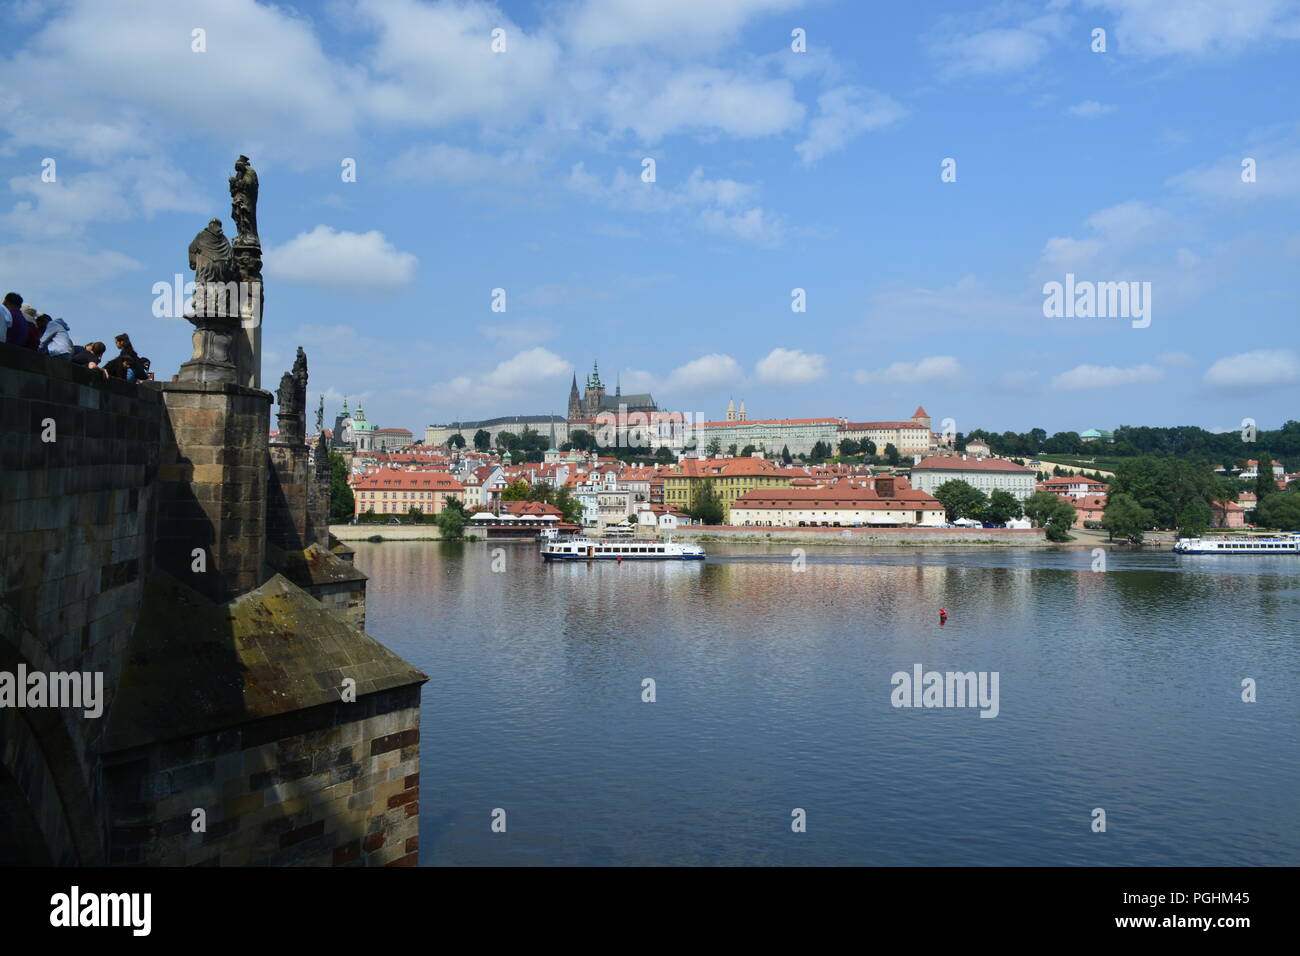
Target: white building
[(984, 474)]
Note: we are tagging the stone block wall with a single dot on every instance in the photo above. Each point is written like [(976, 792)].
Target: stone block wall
[(75, 548), (334, 785), (288, 497), (212, 486)]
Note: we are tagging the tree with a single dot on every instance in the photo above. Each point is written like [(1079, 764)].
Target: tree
[(582, 440), (415, 515), (786, 457), (867, 447), (849, 447), (517, 490), (1225, 492), (713, 448), (707, 508), (1194, 519), (452, 519), (342, 503), (1126, 519), (891, 454), (1060, 521), (570, 507), (1265, 482), (1281, 511), (1052, 513), (961, 500), (665, 455), (731, 451), (482, 440), (456, 441), (747, 451), (1002, 507)]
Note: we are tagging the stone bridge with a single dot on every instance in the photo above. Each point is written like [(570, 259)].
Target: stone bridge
[(152, 536)]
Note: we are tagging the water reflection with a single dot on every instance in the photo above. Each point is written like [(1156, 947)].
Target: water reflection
[(1119, 689)]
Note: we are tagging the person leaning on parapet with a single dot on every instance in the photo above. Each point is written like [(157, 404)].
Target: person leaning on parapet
[(55, 339), (90, 355), (127, 364), (33, 331), (16, 333)]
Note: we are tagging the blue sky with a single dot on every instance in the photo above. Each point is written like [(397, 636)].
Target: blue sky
[(774, 170)]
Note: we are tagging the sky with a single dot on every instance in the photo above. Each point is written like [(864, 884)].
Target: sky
[(921, 171)]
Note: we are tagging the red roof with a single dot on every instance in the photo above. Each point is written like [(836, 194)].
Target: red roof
[(837, 496), (392, 479), (920, 413)]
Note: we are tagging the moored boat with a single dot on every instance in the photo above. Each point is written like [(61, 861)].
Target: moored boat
[(587, 549), (1277, 544)]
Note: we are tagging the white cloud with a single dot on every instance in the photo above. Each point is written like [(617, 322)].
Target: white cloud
[(843, 114), (1106, 376), (676, 26), (525, 374), (1175, 360), (342, 259), (1258, 370), (997, 49), (1277, 174), (707, 371), (943, 369), (790, 367), (654, 103), (1198, 27), (721, 205), (1090, 109)]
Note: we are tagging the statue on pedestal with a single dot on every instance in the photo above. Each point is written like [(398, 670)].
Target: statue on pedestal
[(292, 397), (243, 199), (214, 308)]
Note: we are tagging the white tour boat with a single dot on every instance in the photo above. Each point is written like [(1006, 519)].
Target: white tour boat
[(588, 549), (1281, 544)]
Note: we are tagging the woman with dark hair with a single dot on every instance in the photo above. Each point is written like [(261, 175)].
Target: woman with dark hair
[(127, 363)]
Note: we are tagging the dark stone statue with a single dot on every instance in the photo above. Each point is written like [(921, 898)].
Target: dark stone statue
[(292, 397), (212, 260), (243, 199)]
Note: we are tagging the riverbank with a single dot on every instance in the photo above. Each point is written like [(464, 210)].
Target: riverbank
[(851, 537)]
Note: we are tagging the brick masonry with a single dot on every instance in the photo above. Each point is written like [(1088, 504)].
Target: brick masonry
[(222, 688)]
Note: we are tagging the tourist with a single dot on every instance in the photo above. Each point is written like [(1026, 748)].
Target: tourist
[(127, 364), (16, 331), (90, 355), (55, 338), (145, 373), (33, 332)]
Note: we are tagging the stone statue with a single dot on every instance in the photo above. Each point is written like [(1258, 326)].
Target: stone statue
[(292, 397), (243, 199), (213, 263)]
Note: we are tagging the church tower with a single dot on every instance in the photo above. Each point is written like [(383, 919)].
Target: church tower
[(575, 402), (744, 415), (731, 409), (595, 394)]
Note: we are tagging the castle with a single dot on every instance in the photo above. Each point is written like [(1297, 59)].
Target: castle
[(586, 407)]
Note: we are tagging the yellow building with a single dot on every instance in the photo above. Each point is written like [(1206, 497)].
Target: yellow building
[(731, 478)]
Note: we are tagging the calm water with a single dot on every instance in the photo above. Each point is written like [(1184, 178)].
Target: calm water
[(1118, 690)]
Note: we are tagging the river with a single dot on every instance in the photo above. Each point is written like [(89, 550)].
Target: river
[(1118, 689)]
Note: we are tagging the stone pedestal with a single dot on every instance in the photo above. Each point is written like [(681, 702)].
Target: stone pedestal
[(214, 350), (248, 343), (212, 486)]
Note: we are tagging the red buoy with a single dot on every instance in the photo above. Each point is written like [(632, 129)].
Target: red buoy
[(943, 617)]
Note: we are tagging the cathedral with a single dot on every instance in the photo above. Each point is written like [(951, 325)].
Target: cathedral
[(586, 407)]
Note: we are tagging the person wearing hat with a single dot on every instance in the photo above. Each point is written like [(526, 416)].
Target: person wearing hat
[(33, 332), (55, 337)]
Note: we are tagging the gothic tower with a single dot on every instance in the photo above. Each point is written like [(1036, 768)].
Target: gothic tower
[(595, 394), (575, 402)]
